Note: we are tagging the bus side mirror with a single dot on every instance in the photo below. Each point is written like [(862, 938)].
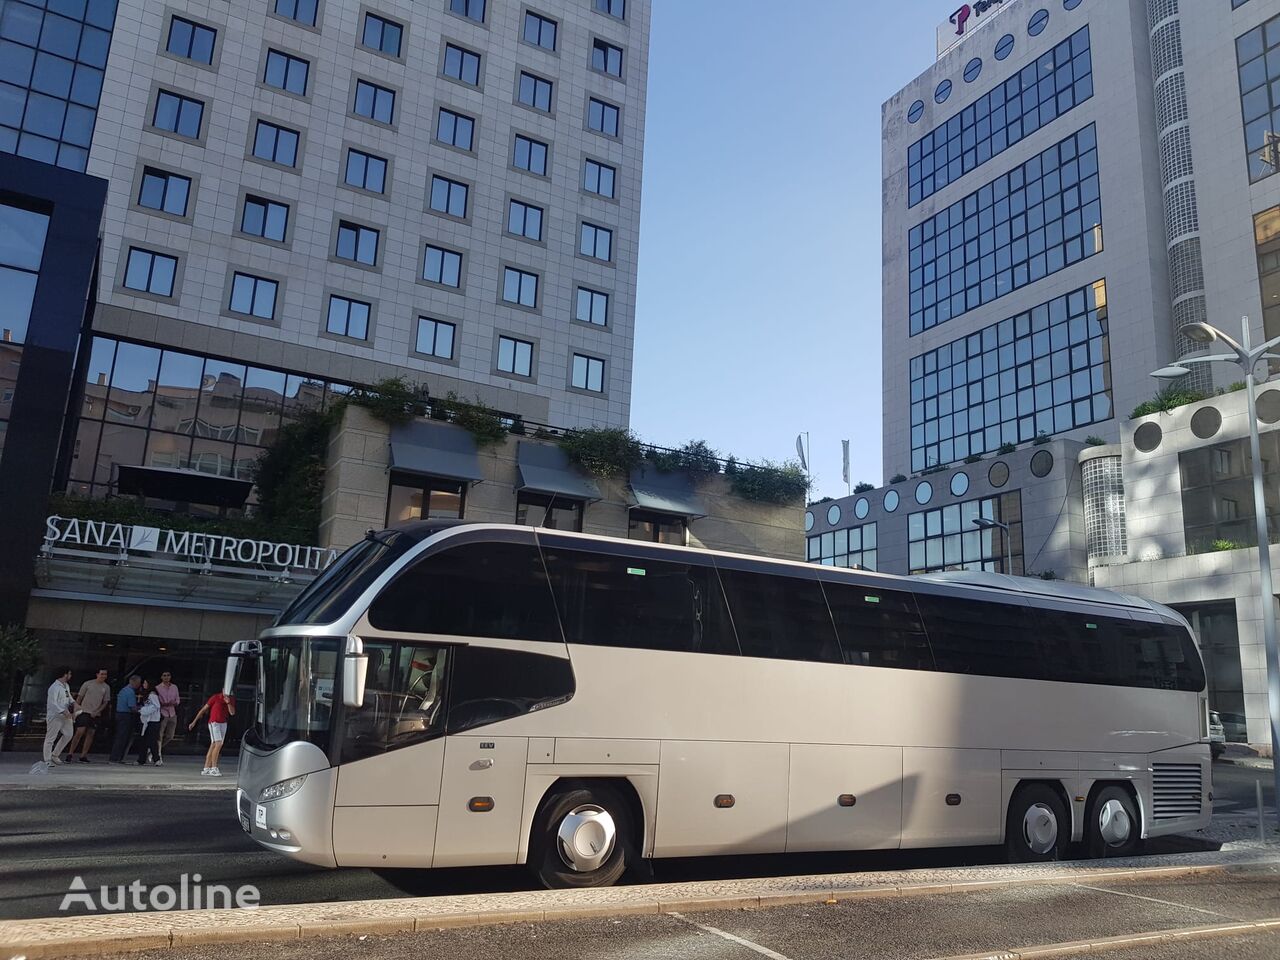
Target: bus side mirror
[(239, 650), (355, 667)]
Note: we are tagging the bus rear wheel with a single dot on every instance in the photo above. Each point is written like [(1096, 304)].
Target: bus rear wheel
[(583, 839), (1037, 828), (1112, 827)]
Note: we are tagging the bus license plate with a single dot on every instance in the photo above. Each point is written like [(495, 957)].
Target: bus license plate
[(260, 815)]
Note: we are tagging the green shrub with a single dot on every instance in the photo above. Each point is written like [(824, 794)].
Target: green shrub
[(694, 458), (1169, 398), (1093, 440), (863, 487), (603, 451), (768, 482), (973, 458), (1041, 439), (1007, 448), (479, 419), (1217, 546), (393, 400), (898, 478)]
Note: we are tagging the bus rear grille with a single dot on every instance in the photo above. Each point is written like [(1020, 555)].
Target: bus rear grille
[(1176, 790)]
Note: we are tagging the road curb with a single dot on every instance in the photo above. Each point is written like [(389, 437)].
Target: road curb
[(97, 935), (1126, 941)]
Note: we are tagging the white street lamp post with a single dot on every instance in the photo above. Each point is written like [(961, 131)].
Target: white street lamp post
[(1246, 357), (987, 524)]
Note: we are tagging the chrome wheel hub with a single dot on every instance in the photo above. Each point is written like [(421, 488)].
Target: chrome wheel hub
[(1040, 828), (1114, 824), (586, 837)]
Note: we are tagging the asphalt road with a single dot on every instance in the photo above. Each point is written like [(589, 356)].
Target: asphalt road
[(110, 838)]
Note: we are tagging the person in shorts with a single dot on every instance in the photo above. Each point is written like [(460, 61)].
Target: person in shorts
[(221, 707), (91, 714)]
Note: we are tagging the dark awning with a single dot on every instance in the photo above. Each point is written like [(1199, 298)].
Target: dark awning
[(545, 468), (666, 493), (435, 450), (182, 486)]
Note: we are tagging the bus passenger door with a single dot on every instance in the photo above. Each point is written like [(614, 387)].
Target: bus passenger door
[(481, 800), (844, 798)]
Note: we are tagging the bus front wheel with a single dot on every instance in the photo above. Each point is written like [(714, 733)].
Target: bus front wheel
[(1037, 828), (583, 839), (1112, 828)]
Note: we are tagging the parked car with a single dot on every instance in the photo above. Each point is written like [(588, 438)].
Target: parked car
[(1217, 735)]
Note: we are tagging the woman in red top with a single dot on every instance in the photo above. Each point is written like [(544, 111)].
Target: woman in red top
[(220, 707)]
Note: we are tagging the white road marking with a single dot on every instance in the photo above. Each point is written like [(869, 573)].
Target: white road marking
[(1167, 903), (763, 951)]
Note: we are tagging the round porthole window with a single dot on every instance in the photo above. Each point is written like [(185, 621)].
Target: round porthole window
[(891, 501), (1004, 46), (1042, 463), (862, 508), (998, 475), (1268, 403), (972, 69), (959, 484), (942, 91), (1039, 20), (1205, 422), (1147, 437), (915, 111), (1071, 4), (808, 520), (833, 514), (924, 492)]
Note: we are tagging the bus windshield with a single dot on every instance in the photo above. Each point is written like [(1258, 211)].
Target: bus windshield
[(296, 681), (332, 593)]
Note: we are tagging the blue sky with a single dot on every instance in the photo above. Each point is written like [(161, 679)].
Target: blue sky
[(758, 313)]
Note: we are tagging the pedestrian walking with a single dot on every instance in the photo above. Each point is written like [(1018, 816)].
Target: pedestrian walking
[(57, 716), (221, 707), (91, 714), (126, 710), (148, 743), (170, 698)]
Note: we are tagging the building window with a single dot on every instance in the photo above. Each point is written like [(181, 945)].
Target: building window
[(382, 35), (462, 65), (264, 218), (599, 178), (365, 171), (1217, 494), (1027, 224), (947, 538), (539, 30), (150, 272), (657, 528), (348, 318), (531, 155), (424, 498), (191, 41), (455, 129), (602, 117), (253, 296), (595, 242), (1044, 371), (520, 286), (286, 72), (851, 547), (1218, 636), (442, 266), (275, 144), (375, 102), (524, 220), (471, 9), (592, 307), (435, 338), (304, 11), (178, 114), (1258, 63), (515, 356), (588, 373), (614, 8), (357, 244), (164, 191), (535, 92), (1041, 92), (606, 58), (449, 197), (553, 513)]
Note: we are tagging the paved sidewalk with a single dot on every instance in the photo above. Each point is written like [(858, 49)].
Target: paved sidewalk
[(178, 773)]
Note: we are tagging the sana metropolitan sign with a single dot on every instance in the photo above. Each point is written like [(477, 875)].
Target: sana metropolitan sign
[(185, 544)]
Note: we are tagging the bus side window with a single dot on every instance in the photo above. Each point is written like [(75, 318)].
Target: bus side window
[(785, 618), (980, 637), (878, 628), (489, 685), (402, 700), (474, 590), (633, 601)]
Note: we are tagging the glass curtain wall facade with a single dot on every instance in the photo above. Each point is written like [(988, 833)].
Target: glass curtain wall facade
[(1217, 494), (1258, 62), (851, 547), (22, 237), (946, 538)]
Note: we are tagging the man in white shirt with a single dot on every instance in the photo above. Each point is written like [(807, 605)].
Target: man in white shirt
[(58, 712)]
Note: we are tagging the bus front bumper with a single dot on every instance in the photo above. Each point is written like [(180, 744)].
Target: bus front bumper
[(298, 825)]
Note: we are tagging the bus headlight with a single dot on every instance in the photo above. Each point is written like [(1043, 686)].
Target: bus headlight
[(285, 788)]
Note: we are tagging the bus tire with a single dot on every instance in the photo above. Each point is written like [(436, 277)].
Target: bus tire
[(583, 838), (1112, 826), (1037, 828)]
